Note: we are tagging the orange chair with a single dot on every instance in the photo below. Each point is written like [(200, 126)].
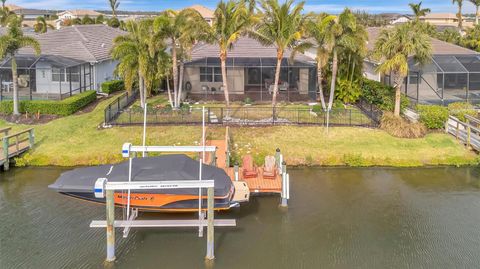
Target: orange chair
[(249, 169), (270, 168)]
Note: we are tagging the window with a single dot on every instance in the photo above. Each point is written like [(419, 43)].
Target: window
[(65, 75), (210, 74)]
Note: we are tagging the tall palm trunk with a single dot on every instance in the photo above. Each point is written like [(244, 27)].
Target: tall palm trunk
[(460, 17), (180, 83), (175, 72), (320, 86), (277, 76), (477, 14), (141, 87), (398, 94), (170, 100), (223, 60), (15, 86), (332, 85)]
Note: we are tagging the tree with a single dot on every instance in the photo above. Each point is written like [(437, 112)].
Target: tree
[(230, 21), (459, 14), (476, 3), (182, 29), (418, 11), (7, 16), (471, 39), (42, 26), (283, 26), (114, 22), (3, 4), (100, 19), (10, 43), (114, 6), (87, 20), (139, 53), (394, 47)]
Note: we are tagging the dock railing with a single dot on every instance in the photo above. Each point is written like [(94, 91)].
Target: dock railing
[(468, 132), (15, 144)]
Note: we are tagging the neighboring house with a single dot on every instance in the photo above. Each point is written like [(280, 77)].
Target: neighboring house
[(401, 19), (75, 14), (452, 75), (446, 19), (206, 13), (73, 59), (30, 14), (250, 73)]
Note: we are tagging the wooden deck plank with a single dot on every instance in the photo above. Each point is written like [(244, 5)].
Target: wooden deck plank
[(259, 184), (23, 146)]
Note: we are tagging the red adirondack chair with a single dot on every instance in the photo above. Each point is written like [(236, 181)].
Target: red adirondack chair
[(249, 169), (270, 168)]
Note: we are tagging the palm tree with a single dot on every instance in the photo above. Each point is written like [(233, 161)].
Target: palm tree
[(138, 53), (230, 22), (181, 29), (114, 6), (7, 16), (42, 26), (418, 11), (3, 4), (394, 47), (10, 43), (282, 26), (459, 15), (476, 3)]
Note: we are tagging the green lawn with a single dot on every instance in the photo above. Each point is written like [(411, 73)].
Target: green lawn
[(76, 140)]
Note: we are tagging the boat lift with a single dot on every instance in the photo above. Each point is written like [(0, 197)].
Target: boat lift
[(105, 189)]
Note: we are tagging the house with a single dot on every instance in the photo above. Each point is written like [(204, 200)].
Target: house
[(452, 75), (30, 14), (206, 13), (73, 59), (250, 73), (75, 14), (400, 19), (445, 19)]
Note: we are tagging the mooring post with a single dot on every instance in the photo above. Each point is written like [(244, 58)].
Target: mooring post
[(6, 164), (110, 226), (284, 186), (235, 169), (468, 133), (210, 227), (277, 157), (31, 138)]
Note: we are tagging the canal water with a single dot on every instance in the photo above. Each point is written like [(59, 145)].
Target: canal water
[(337, 218)]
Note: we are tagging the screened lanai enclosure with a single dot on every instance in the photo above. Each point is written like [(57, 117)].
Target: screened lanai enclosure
[(446, 79), (45, 77), (250, 77)]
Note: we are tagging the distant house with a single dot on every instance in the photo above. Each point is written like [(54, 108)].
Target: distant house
[(445, 19), (73, 59), (75, 14), (250, 73), (452, 75), (401, 19), (30, 14), (206, 13)]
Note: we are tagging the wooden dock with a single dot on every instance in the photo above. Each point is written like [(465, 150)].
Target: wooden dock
[(14, 144), (257, 185)]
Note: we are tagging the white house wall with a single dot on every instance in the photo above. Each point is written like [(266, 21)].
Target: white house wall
[(44, 83), (102, 72), (235, 80)]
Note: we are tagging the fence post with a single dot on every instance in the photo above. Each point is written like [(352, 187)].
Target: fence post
[(208, 115), (130, 116), (350, 111), (31, 138), (6, 164), (468, 133), (273, 115), (221, 114), (456, 131)]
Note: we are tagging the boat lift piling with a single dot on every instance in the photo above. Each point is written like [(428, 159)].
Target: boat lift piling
[(282, 166)]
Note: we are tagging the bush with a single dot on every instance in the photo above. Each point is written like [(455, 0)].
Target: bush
[(112, 86), (433, 116), (348, 91), (460, 109), (61, 108), (400, 127), (381, 95)]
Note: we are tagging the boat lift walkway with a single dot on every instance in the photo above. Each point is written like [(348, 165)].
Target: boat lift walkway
[(14, 144)]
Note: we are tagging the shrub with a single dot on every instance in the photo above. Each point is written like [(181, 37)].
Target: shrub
[(112, 86), (348, 91), (460, 109), (248, 101), (400, 127), (433, 116), (317, 109), (381, 95), (62, 108)]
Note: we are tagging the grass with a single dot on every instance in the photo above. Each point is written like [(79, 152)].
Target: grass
[(76, 140)]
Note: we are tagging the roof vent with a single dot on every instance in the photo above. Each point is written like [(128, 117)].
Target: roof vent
[(103, 45)]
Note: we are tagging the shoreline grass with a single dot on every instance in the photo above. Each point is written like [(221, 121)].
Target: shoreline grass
[(76, 140)]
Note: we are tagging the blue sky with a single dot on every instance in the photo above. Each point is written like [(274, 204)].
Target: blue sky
[(373, 6)]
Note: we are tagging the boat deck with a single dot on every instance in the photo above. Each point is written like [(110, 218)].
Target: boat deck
[(257, 185)]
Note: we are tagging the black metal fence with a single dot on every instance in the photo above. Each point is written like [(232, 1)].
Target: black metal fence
[(116, 107), (372, 111), (243, 116)]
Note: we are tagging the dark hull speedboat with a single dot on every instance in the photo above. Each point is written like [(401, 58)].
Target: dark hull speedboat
[(80, 182)]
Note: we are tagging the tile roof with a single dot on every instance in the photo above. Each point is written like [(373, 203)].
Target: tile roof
[(439, 16), (88, 43), (245, 47), (204, 11), (81, 12), (439, 47)]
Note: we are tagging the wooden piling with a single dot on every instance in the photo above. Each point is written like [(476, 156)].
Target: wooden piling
[(284, 202), (210, 232), (6, 164), (110, 226)]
